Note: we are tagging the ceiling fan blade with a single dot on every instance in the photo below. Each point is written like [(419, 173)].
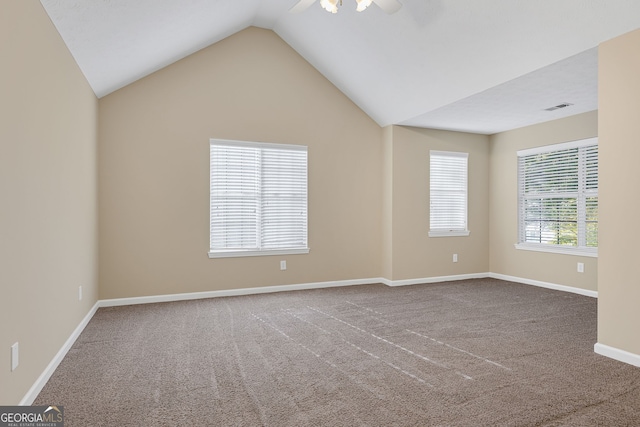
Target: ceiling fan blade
[(301, 6), (389, 6)]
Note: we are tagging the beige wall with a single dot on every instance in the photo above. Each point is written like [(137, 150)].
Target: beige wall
[(505, 258), (154, 165), (48, 230), (415, 255), (619, 124)]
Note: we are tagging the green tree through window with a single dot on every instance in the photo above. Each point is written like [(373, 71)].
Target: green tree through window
[(558, 195)]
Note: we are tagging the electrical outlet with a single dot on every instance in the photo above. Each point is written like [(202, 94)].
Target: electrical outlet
[(455, 257), (283, 265), (580, 267), (14, 357), (79, 293)]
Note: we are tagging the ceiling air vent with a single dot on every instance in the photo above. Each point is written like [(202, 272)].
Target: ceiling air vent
[(557, 107)]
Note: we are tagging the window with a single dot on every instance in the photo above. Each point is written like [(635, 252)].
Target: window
[(258, 199), (448, 194), (558, 198)]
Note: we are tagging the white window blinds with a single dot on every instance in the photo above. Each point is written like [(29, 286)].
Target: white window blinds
[(558, 196), (258, 198), (448, 193)]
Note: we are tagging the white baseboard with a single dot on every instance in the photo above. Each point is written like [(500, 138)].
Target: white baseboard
[(319, 285), (617, 354), (580, 291), (36, 388), (234, 292), (554, 286), (438, 279)]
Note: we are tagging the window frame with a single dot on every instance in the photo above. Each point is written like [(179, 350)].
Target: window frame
[(449, 231), (259, 250), (581, 194)]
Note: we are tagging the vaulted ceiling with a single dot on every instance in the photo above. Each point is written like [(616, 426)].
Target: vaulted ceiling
[(480, 66)]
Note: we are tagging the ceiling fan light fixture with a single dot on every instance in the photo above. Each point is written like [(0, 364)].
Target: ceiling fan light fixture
[(330, 5), (388, 6), (363, 4)]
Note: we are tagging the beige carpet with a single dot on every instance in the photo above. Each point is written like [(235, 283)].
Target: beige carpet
[(469, 353)]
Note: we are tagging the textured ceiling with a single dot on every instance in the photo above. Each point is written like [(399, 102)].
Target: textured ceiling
[(480, 66)]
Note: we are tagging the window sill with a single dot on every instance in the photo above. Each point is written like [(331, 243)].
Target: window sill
[(587, 252), (449, 233), (240, 254)]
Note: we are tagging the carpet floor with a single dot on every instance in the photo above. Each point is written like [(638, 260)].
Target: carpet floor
[(470, 353)]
